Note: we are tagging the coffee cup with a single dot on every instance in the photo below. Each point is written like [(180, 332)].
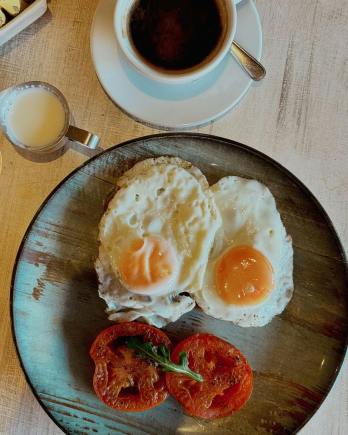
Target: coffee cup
[(175, 41)]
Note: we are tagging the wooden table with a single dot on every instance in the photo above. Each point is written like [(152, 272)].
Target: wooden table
[(298, 115)]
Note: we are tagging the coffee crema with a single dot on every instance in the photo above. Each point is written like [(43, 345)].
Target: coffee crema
[(176, 34)]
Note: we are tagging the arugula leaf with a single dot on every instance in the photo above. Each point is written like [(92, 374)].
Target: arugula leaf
[(161, 355)]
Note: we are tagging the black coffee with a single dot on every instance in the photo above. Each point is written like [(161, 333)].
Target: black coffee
[(175, 34)]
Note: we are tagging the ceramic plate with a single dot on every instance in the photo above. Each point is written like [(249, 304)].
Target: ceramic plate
[(57, 312), (172, 106)]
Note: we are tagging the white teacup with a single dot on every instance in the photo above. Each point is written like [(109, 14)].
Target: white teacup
[(122, 12)]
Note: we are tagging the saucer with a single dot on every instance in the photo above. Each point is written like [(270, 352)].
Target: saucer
[(172, 106)]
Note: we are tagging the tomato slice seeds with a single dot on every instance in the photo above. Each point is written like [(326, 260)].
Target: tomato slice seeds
[(126, 381), (227, 383), (122, 379)]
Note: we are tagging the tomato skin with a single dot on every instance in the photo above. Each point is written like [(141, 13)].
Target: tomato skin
[(228, 378), (123, 380)]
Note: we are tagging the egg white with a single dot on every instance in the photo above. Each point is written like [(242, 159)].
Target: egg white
[(249, 217), (165, 197)]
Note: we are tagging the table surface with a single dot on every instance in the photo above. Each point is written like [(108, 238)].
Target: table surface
[(297, 115)]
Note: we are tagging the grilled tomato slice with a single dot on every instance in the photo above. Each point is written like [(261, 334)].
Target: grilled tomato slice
[(227, 377), (121, 379)]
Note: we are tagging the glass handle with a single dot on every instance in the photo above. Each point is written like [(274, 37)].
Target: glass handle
[(83, 137)]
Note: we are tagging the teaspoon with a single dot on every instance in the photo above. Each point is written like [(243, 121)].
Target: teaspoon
[(250, 65)]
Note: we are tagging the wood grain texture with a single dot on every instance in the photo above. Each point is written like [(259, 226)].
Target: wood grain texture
[(298, 115)]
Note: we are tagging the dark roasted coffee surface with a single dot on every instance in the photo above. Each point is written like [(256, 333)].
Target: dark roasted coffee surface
[(175, 34)]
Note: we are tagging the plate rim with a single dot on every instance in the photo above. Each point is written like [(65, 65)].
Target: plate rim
[(186, 135)]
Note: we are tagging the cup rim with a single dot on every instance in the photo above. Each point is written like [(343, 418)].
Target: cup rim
[(171, 77), (32, 84)]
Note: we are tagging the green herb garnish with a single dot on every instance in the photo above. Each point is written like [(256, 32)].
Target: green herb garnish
[(161, 355)]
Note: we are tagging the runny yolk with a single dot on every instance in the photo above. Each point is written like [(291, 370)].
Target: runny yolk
[(243, 276), (147, 262)]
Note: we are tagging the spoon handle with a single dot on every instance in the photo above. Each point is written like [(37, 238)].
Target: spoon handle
[(253, 67)]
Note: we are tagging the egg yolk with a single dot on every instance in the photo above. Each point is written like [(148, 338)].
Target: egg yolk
[(148, 262), (243, 276)]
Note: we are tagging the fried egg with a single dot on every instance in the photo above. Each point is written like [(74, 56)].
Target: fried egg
[(155, 238), (248, 279)]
